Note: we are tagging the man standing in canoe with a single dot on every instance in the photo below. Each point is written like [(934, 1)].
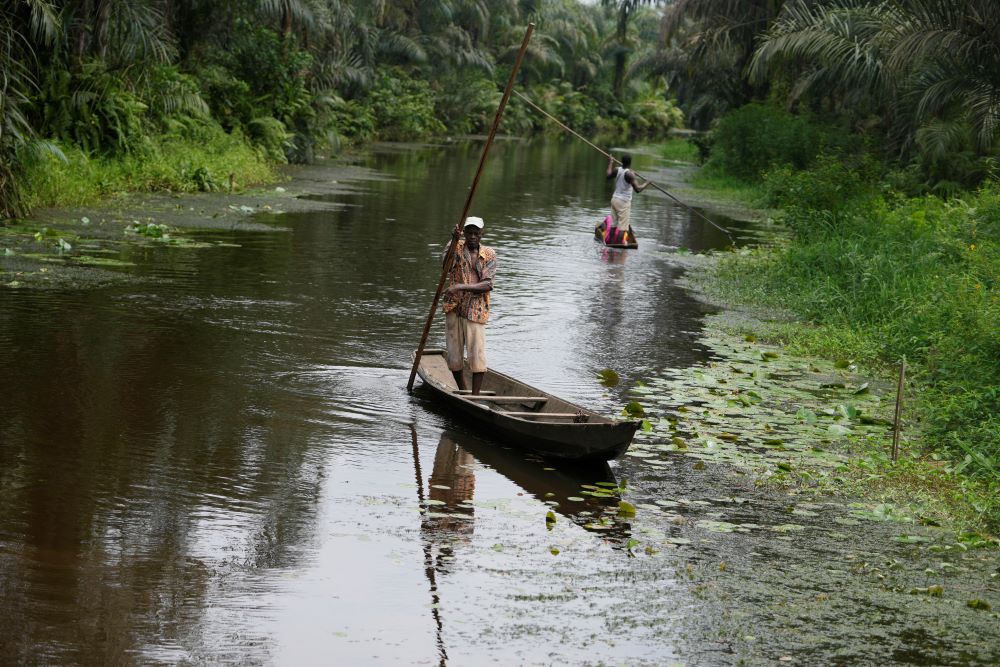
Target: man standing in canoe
[(467, 301), (626, 182)]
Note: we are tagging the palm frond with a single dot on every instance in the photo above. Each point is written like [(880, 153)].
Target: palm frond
[(44, 21), (137, 35)]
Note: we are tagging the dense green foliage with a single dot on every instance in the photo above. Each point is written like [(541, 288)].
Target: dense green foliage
[(195, 162), (918, 79), (120, 80), (755, 138), (887, 276)]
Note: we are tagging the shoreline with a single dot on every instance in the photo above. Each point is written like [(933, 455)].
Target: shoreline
[(917, 477)]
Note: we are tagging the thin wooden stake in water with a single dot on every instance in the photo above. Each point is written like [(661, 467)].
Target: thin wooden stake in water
[(468, 203), (899, 410)]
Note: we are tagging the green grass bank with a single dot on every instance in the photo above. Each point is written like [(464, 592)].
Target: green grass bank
[(873, 276), (196, 162)]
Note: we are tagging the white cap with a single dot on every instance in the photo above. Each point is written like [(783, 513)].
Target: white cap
[(475, 222)]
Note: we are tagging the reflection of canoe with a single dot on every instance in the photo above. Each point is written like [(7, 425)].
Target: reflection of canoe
[(633, 241), (529, 418), (566, 489), (534, 476)]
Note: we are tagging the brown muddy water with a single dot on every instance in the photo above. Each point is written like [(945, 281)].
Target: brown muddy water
[(220, 464)]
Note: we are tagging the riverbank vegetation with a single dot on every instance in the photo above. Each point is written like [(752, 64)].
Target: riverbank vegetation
[(120, 92), (873, 128)]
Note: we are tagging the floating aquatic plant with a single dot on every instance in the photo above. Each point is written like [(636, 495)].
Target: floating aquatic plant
[(608, 377)]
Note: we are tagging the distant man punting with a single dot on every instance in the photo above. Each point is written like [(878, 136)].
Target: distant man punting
[(467, 301), (626, 182)]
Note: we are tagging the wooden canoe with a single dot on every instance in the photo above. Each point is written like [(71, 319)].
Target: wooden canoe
[(631, 245), (529, 418)]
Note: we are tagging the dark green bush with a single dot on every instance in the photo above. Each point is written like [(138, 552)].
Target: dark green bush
[(757, 137), (353, 120), (825, 194), (92, 108), (466, 102), (228, 97), (403, 106)]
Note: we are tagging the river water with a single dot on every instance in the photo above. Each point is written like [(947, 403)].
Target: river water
[(222, 465)]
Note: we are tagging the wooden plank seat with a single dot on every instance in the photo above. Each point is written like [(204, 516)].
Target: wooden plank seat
[(506, 399), (468, 392), (553, 415)]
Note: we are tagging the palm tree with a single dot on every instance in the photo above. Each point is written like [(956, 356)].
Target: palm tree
[(929, 66), (571, 31), (714, 43), (624, 11), (25, 25)]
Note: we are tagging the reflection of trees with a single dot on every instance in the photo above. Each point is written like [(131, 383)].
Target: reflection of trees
[(136, 444)]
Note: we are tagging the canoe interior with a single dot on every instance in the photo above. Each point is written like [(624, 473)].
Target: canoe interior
[(528, 417), (631, 245), (502, 386)]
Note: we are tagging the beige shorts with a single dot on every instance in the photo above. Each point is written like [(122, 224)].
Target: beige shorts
[(622, 212), (461, 334)]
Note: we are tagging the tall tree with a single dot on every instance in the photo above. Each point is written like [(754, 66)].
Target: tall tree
[(715, 42), (931, 67), (624, 12), (25, 27)]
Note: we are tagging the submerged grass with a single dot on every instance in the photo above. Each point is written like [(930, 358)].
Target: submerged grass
[(811, 427)]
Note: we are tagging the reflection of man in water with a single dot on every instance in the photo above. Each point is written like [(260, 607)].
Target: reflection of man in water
[(452, 482), (467, 302)]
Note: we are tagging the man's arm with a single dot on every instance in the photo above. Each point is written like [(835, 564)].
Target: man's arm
[(611, 168), (455, 235), (631, 179), (478, 288), (485, 284)]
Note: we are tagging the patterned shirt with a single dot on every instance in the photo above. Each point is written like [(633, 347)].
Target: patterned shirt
[(469, 269)]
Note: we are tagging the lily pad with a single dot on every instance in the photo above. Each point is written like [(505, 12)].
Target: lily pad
[(634, 409), (717, 526), (608, 377)]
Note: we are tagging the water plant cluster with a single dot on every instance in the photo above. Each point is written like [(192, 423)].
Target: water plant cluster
[(880, 271), (781, 418)]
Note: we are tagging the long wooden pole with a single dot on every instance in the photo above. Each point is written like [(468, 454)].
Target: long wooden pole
[(897, 419), (609, 156), (468, 202)]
